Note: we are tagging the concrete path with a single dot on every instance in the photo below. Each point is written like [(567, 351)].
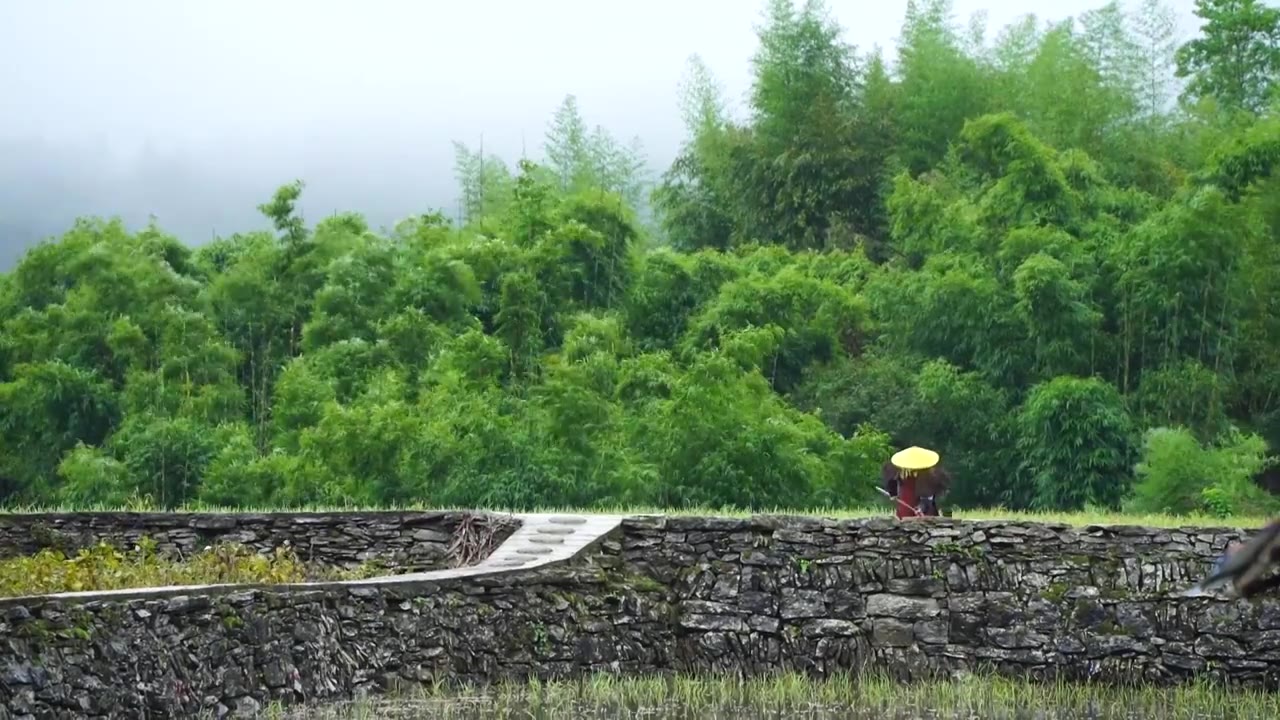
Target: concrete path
[(544, 538), (541, 538)]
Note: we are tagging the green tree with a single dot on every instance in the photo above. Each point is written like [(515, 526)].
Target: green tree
[(568, 147), (1154, 26), (804, 171), (485, 182), (1017, 252), (1177, 474), (1077, 444), (940, 86), (1236, 59), (691, 198)]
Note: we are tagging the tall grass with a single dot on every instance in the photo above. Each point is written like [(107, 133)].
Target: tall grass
[(1090, 517), (797, 696)]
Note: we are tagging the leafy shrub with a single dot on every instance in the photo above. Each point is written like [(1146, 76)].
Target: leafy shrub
[(1178, 474)]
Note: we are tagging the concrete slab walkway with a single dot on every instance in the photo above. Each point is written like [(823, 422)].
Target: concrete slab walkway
[(542, 538)]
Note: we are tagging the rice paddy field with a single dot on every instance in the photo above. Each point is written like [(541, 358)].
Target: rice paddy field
[(802, 698)]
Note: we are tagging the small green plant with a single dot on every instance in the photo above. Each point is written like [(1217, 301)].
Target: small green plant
[(105, 567), (949, 548), (541, 640)]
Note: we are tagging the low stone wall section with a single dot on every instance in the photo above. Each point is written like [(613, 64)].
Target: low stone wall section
[(403, 541), (945, 597), (915, 598)]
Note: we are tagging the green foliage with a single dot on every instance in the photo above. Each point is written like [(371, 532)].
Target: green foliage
[(1178, 474), (1018, 251), (1236, 60), (1075, 438), (103, 567)]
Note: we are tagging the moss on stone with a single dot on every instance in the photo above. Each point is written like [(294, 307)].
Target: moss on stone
[(949, 548), (75, 633), (632, 582), (1111, 627), (1055, 592), (36, 629), (1115, 592), (1084, 607)]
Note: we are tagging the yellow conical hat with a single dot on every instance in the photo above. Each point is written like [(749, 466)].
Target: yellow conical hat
[(914, 459)]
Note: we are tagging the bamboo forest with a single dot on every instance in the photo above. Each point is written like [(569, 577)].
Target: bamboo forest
[(1050, 251)]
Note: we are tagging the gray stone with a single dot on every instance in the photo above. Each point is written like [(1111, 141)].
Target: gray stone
[(845, 604), (802, 604), (655, 595), (246, 707), (918, 586), (901, 607), (1211, 646), (18, 674), (887, 632), (933, 632), (705, 607), (760, 603), (818, 628), (1015, 638), (713, 622)]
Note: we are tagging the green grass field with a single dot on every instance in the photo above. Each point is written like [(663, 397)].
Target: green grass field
[(1095, 517), (796, 696)]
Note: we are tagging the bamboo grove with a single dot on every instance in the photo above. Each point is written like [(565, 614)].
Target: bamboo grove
[(1050, 253)]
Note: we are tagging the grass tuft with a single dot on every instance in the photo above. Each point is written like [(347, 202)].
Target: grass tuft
[(798, 696)]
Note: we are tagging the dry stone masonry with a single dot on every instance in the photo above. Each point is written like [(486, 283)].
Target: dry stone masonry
[(404, 541), (661, 594), (942, 597)]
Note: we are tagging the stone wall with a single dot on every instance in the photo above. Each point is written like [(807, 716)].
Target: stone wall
[(662, 595), (403, 541), (948, 596)]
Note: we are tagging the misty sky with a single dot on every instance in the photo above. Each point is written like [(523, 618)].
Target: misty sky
[(196, 111)]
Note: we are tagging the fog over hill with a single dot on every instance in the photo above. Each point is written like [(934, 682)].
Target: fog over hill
[(194, 113)]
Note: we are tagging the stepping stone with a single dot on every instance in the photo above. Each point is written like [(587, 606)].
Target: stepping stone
[(511, 562), (568, 520), (533, 550), (545, 530), (547, 540)]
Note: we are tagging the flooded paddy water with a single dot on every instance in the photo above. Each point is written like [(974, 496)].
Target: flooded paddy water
[(606, 698)]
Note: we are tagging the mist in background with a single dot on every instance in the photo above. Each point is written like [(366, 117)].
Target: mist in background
[(195, 112)]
